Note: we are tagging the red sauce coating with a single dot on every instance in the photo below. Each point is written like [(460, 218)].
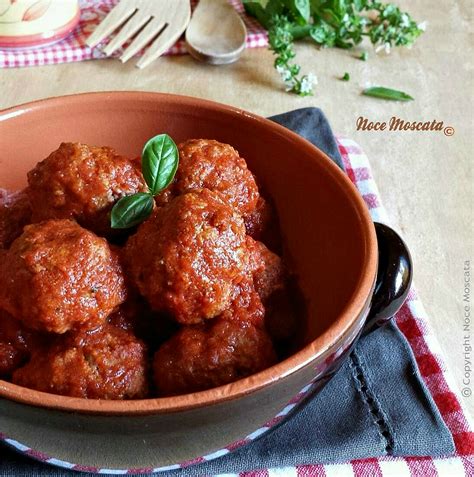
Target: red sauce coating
[(259, 220), (136, 316), (208, 164), (187, 258), (13, 344), (246, 306), (57, 276), (204, 356), (83, 183), (199, 286), (268, 271), (15, 213), (105, 363)]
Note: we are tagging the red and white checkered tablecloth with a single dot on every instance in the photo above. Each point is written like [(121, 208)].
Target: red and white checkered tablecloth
[(73, 48), (413, 322)]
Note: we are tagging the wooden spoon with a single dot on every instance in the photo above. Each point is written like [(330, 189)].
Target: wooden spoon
[(216, 33)]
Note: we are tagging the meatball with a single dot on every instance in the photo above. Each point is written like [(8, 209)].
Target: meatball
[(127, 317), (268, 271), (57, 276), (216, 166), (15, 213), (136, 316), (188, 257), (105, 363), (204, 356), (13, 344), (246, 306), (83, 183), (258, 221)]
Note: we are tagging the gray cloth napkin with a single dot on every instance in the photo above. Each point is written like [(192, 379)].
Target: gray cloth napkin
[(376, 404)]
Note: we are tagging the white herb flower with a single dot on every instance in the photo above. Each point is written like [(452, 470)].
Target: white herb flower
[(385, 47), (405, 20), (285, 73), (307, 83), (422, 26)]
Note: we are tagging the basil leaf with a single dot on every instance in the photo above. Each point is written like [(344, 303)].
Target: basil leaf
[(301, 8), (298, 32), (160, 159), (131, 210), (387, 93), (256, 9)]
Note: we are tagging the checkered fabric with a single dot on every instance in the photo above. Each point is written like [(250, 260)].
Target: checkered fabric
[(73, 48), (413, 322)]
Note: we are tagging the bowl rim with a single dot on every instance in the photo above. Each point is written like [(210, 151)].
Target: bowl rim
[(318, 348)]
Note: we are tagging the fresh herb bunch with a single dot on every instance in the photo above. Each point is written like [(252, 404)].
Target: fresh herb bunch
[(160, 159), (329, 23), (281, 40)]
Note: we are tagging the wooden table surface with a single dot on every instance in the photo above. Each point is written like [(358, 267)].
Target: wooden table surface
[(425, 178)]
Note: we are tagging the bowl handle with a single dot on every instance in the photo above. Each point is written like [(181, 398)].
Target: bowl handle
[(394, 275)]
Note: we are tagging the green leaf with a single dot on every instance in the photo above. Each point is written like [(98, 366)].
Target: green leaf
[(298, 32), (329, 23), (275, 7), (364, 56), (256, 9), (160, 160), (387, 93), (346, 77), (323, 34), (131, 210), (301, 8)]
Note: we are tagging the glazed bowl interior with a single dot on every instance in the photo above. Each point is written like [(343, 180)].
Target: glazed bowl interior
[(329, 238)]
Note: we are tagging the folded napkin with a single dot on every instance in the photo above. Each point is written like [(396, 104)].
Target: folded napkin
[(74, 48), (391, 398)]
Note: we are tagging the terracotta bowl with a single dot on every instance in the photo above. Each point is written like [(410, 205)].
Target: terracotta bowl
[(330, 241)]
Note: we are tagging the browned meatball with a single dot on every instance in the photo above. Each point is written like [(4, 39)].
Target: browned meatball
[(267, 268), (204, 356), (57, 275), (188, 257), (13, 344), (216, 166), (136, 316), (258, 221), (15, 213), (83, 183), (127, 317), (105, 363), (246, 306)]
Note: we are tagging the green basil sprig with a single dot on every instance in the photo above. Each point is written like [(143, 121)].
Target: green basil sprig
[(387, 93), (159, 162), (329, 23), (132, 210), (160, 159)]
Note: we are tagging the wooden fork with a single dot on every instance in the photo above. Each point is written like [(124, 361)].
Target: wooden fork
[(164, 20)]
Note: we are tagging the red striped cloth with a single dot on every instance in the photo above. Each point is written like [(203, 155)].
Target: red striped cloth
[(73, 48), (413, 322)]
